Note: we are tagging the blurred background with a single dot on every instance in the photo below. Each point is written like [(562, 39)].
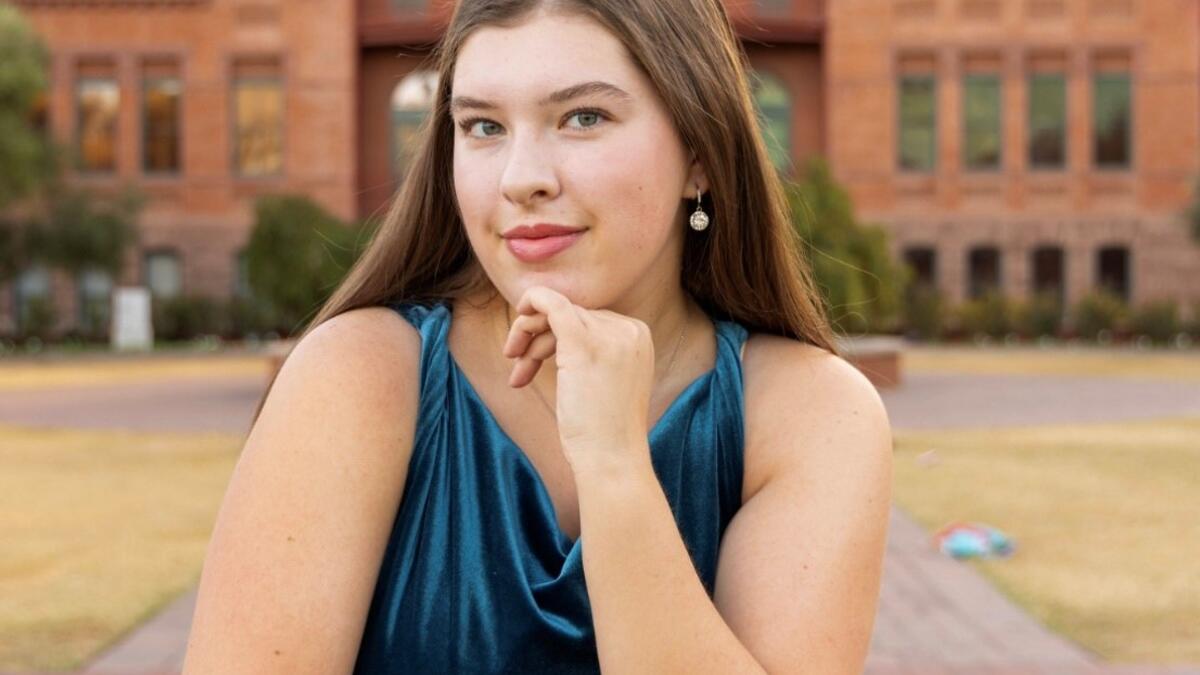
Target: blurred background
[(999, 199)]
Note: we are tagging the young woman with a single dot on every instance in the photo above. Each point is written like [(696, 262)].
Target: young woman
[(582, 345)]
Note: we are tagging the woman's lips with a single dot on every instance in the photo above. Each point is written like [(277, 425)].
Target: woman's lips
[(542, 248)]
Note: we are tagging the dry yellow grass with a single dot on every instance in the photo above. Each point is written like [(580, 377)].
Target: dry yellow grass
[(100, 530), (1104, 518), (1116, 362), (49, 375)]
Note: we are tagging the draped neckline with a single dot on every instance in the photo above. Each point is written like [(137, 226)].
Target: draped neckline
[(673, 409)]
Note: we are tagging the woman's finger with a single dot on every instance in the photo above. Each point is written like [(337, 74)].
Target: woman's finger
[(524, 328), (559, 311), (541, 348)]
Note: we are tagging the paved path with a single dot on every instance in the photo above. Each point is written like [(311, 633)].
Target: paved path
[(936, 615), (928, 400), (225, 404)]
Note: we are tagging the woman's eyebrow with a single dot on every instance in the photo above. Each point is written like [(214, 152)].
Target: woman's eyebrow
[(575, 91)]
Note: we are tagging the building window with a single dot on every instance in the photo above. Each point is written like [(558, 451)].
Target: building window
[(258, 118), (161, 108), (1112, 271), (918, 120), (922, 260), (1111, 120), (981, 121), (95, 301), (1047, 120), (412, 99), (983, 268), (33, 299), (162, 274), (774, 107), (1048, 272), (98, 100)]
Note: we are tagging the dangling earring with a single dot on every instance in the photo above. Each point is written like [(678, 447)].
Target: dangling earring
[(699, 219)]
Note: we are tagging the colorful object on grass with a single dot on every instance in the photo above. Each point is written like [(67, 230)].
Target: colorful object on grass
[(973, 540)]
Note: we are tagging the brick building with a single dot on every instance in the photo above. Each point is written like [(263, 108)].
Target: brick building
[(923, 107), (1022, 145)]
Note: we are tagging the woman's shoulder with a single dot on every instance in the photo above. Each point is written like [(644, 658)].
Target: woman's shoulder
[(364, 360), (311, 501)]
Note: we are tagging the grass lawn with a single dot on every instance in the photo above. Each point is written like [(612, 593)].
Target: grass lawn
[(25, 375), (100, 530), (1104, 518), (1059, 360)]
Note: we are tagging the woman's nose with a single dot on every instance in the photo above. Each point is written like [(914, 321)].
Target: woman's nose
[(530, 172)]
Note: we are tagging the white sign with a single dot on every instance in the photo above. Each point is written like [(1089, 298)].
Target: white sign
[(131, 328)]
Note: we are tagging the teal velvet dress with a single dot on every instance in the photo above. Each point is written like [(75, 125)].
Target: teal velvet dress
[(477, 576)]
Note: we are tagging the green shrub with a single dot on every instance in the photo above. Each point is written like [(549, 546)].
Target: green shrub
[(186, 317), (297, 255), (247, 316), (924, 312), (991, 314), (1159, 320), (38, 317), (1099, 311), (1192, 325), (1040, 315), (861, 285)]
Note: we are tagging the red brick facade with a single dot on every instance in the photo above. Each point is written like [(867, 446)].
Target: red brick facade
[(341, 62), (1015, 208)]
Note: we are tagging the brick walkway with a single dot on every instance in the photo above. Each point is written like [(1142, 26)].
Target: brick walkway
[(936, 615)]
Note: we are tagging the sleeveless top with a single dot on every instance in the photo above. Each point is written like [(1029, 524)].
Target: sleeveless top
[(477, 576)]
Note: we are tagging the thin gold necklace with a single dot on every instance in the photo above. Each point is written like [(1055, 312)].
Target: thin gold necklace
[(533, 385)]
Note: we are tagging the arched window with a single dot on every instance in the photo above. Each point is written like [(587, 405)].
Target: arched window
[(983, 269), (1112, 270), (774, 105), (412, 100), (1048, 267)]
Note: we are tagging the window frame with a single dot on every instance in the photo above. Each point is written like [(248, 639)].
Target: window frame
[(1128, 163), (234, 83), (142, 145), (932, 79), (1061, 77), (997, 80), (77, 142)]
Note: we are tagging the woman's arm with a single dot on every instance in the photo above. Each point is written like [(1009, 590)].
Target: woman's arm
[(295, 552)]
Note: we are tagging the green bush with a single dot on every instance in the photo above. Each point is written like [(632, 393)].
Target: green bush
[(297, 255), (38, 317), (924, 312), (1159, 320), (1099, 311), (991, 314), (1040, 315), (186, 317), (861, 284), (247, 316), (1192, 325)]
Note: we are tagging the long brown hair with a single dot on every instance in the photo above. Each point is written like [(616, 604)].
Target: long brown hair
[(746, 266)]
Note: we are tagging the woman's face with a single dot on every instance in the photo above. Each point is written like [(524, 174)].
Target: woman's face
[(606, 161)]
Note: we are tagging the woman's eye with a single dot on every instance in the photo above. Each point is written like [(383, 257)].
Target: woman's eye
[(585, 117), (587, 120), (468, 125)]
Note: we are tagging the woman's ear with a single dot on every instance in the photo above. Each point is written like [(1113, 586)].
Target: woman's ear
[(696, 178)]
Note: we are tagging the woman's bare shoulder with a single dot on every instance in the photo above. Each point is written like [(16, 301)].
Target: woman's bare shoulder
[(295, 552)]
